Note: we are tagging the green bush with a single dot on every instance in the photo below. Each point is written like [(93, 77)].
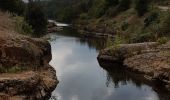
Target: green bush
[(142, 37), (162, 40), (124, 26), (153, 16), (119, 40), (21, 26), (109, 42), (165, 25)]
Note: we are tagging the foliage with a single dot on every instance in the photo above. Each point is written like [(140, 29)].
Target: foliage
[(98, 9), (109, 42), (14, 69), (14, 6), (124, 26), (141, 6), (153, 16), (124, 5), (162, 40), (36, 17), (119, 40), (112, 2), (142, 37), (21, 26), (84, 16), (165, 30)]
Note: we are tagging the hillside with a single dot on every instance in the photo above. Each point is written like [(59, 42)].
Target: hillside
[(132, 20)]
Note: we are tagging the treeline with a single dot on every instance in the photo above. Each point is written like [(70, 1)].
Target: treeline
[(130, 20), (32, 12), (68, 10)]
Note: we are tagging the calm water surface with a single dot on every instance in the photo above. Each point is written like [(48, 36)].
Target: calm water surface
[(82, 78)]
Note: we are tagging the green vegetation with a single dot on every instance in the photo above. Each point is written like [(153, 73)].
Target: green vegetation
[(21, 26), (162, 40), (130, 20), (141, 6), (29, 17), (14, 69), (35, 16), (14, 6), (165, 25)]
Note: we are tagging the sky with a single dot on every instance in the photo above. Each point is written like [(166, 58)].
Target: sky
[(25, 0)]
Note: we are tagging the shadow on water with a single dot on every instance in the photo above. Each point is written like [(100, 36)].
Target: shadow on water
[(117, 73)]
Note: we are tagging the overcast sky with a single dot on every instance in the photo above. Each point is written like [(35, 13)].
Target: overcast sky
[(25, 0)]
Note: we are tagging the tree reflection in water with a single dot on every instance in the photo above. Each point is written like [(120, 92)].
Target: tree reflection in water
[(118, 74)]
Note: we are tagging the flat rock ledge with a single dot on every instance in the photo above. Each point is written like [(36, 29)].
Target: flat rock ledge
[(150, 59), (25, 73)]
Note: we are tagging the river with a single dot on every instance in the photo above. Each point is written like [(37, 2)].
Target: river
[(82, 78)]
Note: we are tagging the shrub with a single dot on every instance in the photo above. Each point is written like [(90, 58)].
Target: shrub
[(124, 25), (151, 18), (21, 26), (162, 40), (109, 42), (36, 17), (141, 6), (124, 5), (165, 30), (119, 40), (142, 37)]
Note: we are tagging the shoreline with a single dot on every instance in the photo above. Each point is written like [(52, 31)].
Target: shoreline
[(150, 60)]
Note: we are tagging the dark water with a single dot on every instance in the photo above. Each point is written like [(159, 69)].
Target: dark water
[(82, 78)]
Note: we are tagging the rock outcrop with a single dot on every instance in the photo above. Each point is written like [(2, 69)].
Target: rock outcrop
[(151, 60), (24, 66)]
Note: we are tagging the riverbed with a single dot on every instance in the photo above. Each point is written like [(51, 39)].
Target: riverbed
[(82, 78)]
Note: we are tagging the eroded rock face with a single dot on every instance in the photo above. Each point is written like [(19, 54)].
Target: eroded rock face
[(149, 59), (38, 79)]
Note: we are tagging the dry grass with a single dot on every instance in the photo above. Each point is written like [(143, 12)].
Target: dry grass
[(6, 22), (7, 26)]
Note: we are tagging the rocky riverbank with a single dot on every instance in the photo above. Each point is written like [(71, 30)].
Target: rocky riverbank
[(25, 72), (151, 60)]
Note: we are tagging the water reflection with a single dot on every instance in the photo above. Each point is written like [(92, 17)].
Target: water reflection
[(97, 43), (119, 75), (81, 77)]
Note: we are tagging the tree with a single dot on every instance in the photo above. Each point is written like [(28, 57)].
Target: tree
[(36, 17), (112, 2), (141, 7), (14, 6), (124, 5)]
